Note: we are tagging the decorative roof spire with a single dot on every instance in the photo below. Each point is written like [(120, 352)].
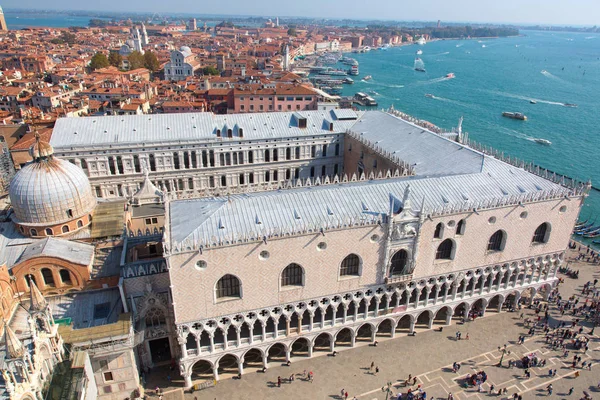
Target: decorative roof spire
[(37, 300), (40, 149), (14, 346)]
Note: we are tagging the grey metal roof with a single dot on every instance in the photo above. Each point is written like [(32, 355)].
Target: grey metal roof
[(267, 213), (430, 154), (164, 128), (78, 253)]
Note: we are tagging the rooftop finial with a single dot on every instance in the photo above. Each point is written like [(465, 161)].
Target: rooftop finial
[(14, 346), (37, 300)]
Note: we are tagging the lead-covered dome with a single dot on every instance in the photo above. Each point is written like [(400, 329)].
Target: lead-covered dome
[(49, 191)]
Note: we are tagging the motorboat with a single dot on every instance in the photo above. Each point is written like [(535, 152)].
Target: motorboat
[(429, 95), (532, 102), (419, 52), (570, 105), (542, 141), (419, 65), (367, 78), (450, 75), (515, 115)]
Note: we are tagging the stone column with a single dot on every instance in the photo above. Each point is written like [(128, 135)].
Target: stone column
[(211, 336), (323, 318), (352, 339), (300, 325), (238, 335), (288, 355), (356, 311), (367, 305), (377, 303), (265, 361), (387, 303), (264, 330), (393, 332), (449, 317), (345, 306), (412, 325), (454, 290), (188, 380), (183, 347), (310, 349), (408, 298), (287, 327), (276, 323), (373, 335), (216, 371), (311, 318), (398, 297), (517, 298), (241, 366), (198, 343), (332, 344), (430, 324)]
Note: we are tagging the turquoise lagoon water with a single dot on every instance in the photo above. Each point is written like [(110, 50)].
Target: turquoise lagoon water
[(503, 76)]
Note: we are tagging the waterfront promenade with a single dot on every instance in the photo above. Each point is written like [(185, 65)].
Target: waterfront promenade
[(429, 356)]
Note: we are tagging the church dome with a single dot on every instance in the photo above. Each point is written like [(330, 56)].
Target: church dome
[(185, 49), (49, 191)]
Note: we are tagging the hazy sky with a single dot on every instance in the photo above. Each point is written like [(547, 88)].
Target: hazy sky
[(576, 12)]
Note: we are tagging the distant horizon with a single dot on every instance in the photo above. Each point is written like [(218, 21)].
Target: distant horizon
[(585, 18)]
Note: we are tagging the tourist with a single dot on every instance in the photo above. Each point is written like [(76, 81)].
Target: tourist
[(279, 381), (346, 396), (342, 394), (376, 370), (549, 388), (450, 397), (467, 337), (492, 387), (291, 378), (414, 380), (571, 391)]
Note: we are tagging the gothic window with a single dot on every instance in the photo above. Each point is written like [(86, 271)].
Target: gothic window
[(497, 241), (292, 275), (460, 227), (399, 263), (350, 266), (228, 286), (445, 250), (155, 317), (439, 231), (542, 233)]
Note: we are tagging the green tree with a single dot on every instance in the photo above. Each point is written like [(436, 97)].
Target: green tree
[(292, 32), (210, 70), (99, 60), (150, 61), (136, 60), (68, 38), (115, 59)]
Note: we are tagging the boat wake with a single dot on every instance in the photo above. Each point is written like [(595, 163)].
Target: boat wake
[(554, 77), (435, 80), (450, 101), (439, 54), (516, 96)]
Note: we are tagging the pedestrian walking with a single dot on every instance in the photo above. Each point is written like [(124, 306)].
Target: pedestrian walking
[(372, 366), (291, 378), (576, 374), (376, 370), (415, 380), (342, 394), (346, 396), (492, 389), (467, 337), (279, 381), (549, 388), (571, 391)]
